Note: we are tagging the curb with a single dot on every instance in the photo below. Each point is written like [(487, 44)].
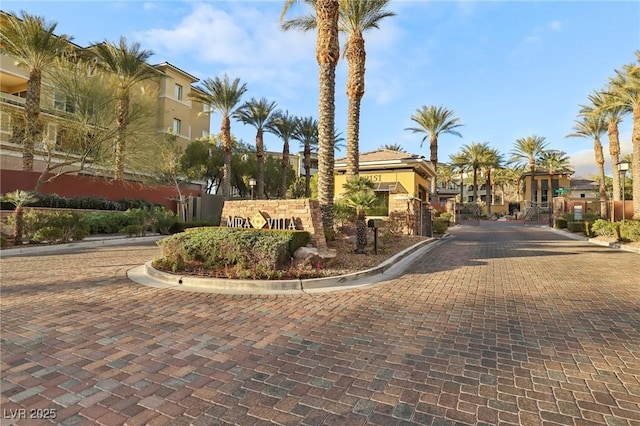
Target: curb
[(17, 251), (147, 275), (595, 241)]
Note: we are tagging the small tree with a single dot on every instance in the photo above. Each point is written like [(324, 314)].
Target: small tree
[(360, 196), (19, 199)]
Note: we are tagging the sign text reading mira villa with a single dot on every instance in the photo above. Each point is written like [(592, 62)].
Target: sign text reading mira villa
[(260, 221)]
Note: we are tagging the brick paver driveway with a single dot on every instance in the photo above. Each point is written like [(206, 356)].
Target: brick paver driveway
[(498, 325)]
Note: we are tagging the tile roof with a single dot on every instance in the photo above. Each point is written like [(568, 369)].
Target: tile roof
[(383, 155)]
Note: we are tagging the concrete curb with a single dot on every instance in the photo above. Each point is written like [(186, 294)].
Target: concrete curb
[(595, 241), (120, 240), (147, 275)]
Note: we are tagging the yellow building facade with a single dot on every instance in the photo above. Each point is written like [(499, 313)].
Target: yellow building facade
[(401, 180)]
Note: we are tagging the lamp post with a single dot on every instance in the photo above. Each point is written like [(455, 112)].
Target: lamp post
[(252, 183), (623, 166)]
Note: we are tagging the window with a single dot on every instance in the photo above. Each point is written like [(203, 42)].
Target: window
[(177, 126), (49, 137), (178, 93), (5, 123), (63, 102), (583, 195), (206, 108), (470, 199)]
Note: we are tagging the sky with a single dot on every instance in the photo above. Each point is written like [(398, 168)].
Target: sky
[(507, 69)]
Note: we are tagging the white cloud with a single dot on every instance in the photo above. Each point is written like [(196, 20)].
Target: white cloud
[(243, 39)]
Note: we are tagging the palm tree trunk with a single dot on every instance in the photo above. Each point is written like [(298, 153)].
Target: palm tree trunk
[(284, 166), (307, 169), (356, 57), (635, 165), (433, 145), (260, 165), (18, 225), (327, 55), (226, 146), (488, 186), (614, 151), (361, 233), (532, 167), (475, 185), (32, 111), (602, 191)]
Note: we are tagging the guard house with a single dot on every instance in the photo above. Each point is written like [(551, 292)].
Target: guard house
[(402, 180)]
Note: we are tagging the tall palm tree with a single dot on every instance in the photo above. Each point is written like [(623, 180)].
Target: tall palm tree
[(359, 195), (459, 163), (474, 155), (492, 161), (327, 55), (612, 113), (434, 121), (554, 162), (625, 89), (525, 152), (283, 126), (446, 174), (355, 17), (306, 132), (222, 96), (593, 127), (31, 41), (257, 113), (129, 65)]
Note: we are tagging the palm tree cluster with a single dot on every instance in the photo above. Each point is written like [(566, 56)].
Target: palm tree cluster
[(604, 112), (529, 155)]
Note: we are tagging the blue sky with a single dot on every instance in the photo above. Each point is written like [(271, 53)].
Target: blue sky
[(509, 69)]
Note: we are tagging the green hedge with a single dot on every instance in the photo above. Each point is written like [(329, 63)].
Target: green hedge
[(222, 247), (575, 226), (560, 223), (86, 203), (629, 230), (440, 225), (53, 227)]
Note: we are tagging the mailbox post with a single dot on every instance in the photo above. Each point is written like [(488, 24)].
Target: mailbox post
[(372, 224)]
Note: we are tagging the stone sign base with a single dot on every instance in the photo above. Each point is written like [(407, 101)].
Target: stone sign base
[(301, 214)]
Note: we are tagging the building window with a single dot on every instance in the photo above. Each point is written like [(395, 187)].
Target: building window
[(5, 123), (63, 102), (583, 195), (177, 126), (178, 92), (205, 134), (470, 199), (206, 108), (49, 137)]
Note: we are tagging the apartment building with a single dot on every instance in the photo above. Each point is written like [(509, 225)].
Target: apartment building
[(175, 112)]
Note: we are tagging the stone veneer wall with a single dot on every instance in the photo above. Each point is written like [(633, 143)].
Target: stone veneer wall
[(305, 211)]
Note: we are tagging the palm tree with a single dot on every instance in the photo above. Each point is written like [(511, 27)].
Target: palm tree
[(554, 162), (306, 132), (476, 155), (393, 147), (129, 65), (593, 126), (461, 166), (327, 55), (19, 199), (31, 41), (283, 126), (257, 113), (433, 122), (612, 113), (446, 174), (492, 161), (222, 96), (359, 195), (355, 17), (625, 90), (525, 152)]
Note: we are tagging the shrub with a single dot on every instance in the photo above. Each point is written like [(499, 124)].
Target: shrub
[(183, 226), (220, 247), (440, 226), (105, 223), (54, 226), (604, 228), (560, 223), (576, 226), (133, 230), (630, 230), (446, 216), (162, 219)]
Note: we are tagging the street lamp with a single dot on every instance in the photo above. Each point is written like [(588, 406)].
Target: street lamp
[(623, 166), (252, 183)]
